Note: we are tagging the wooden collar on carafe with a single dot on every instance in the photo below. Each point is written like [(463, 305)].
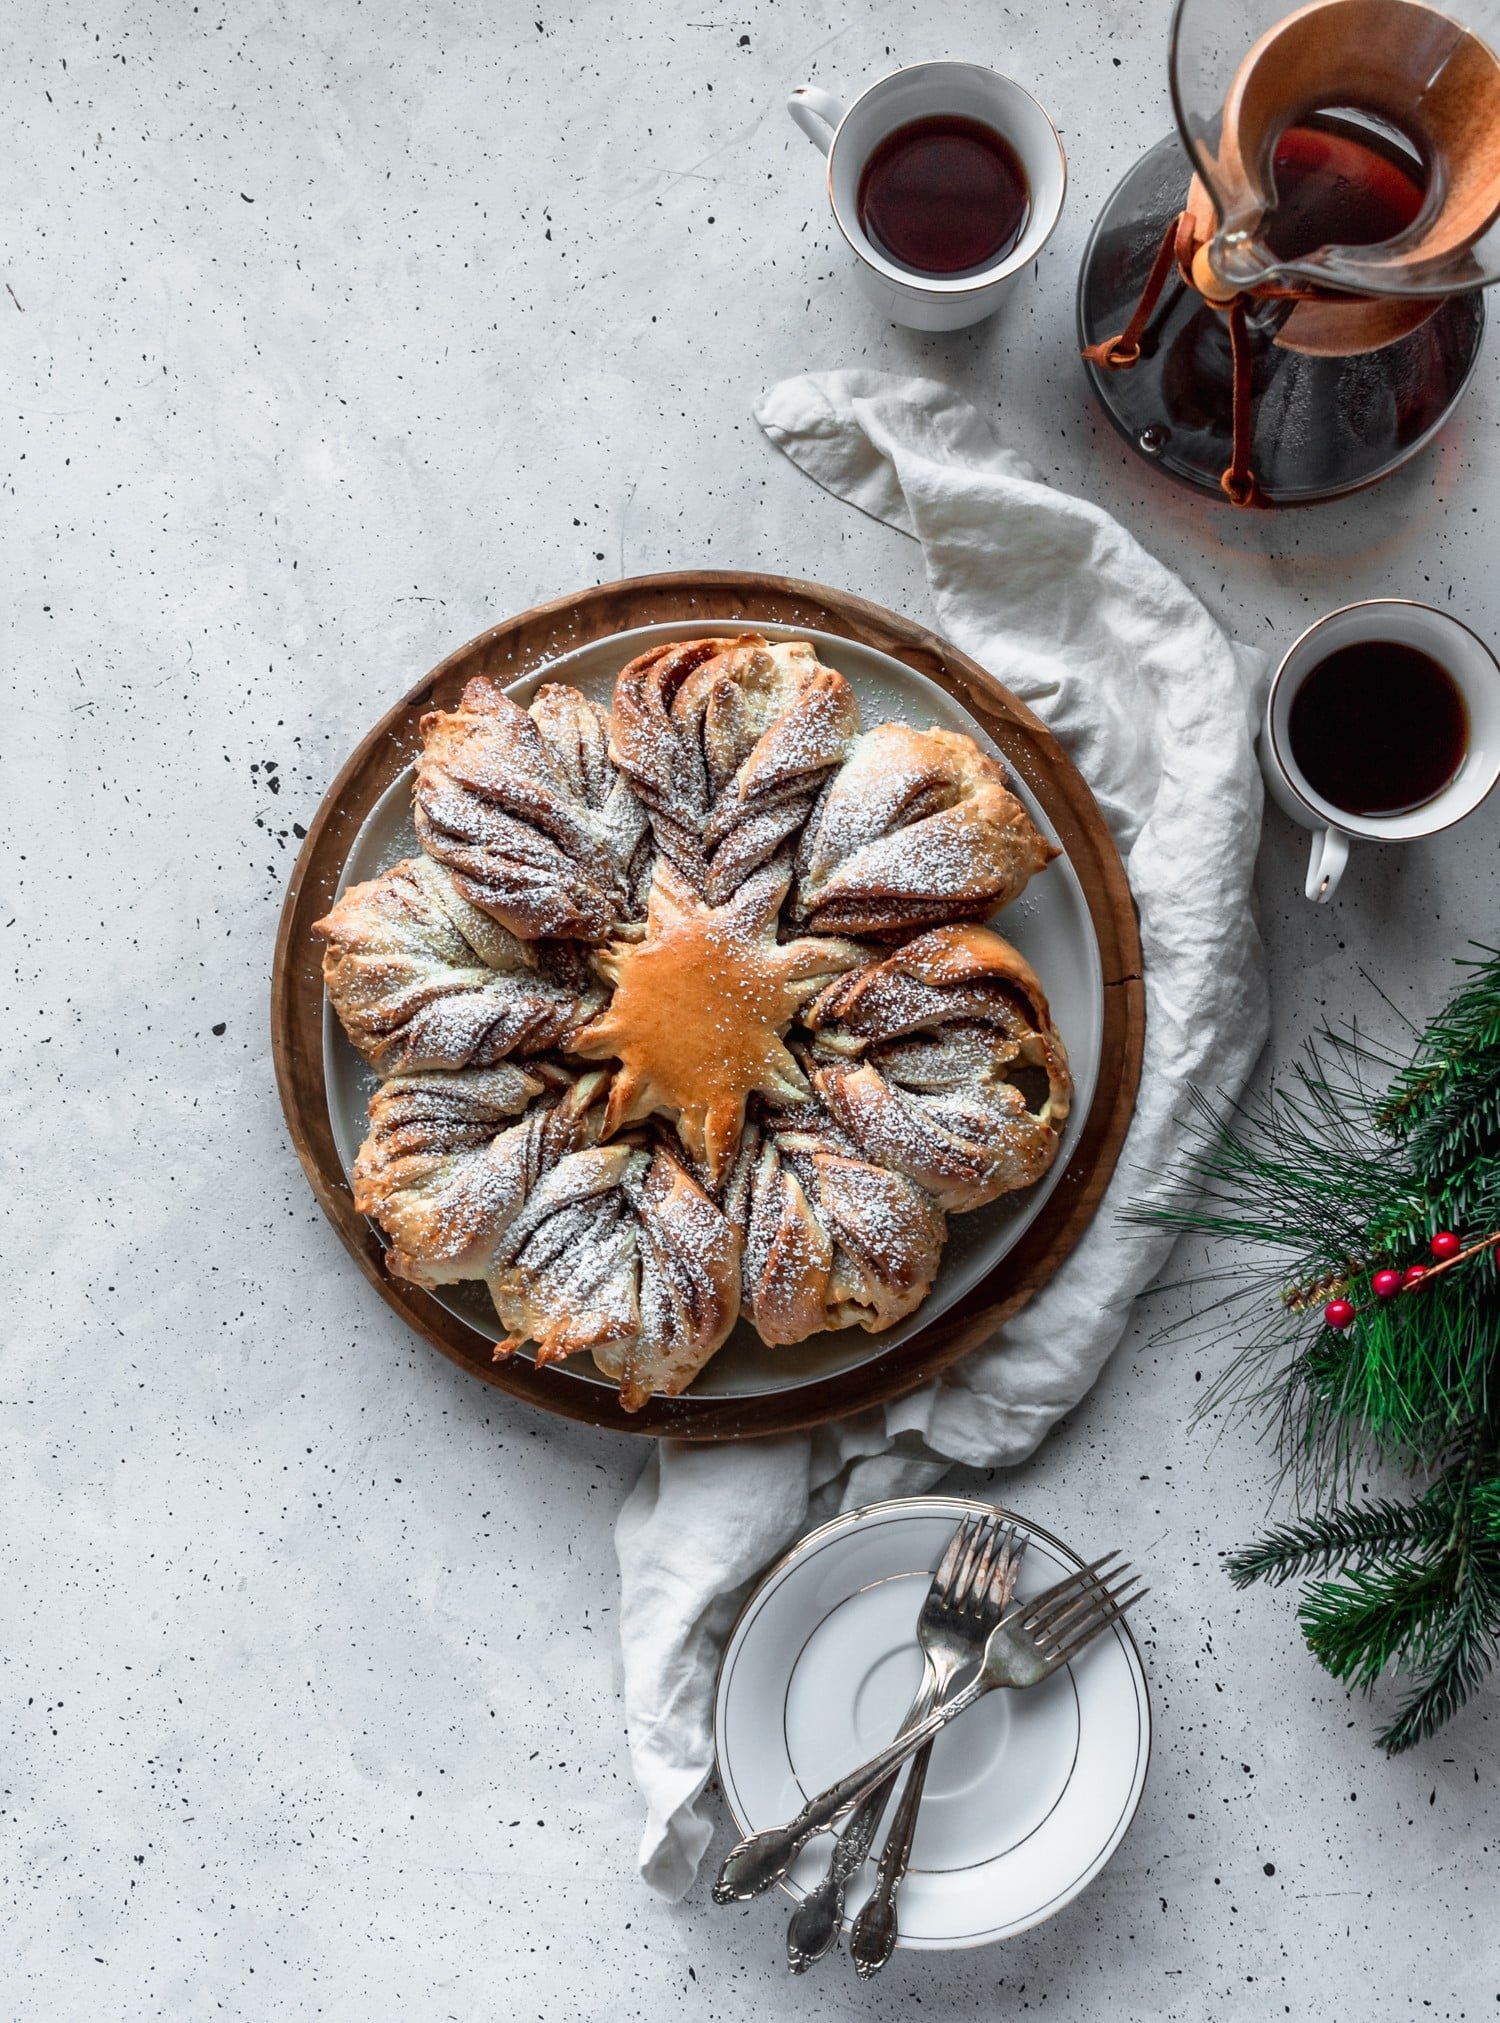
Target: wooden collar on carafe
[(1185, 247)]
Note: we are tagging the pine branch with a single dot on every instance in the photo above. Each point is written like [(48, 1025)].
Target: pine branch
[(1368, 1530), (1375, 1616), (1458, 1659), (1415, 1370), (1484, 1501), (1467, 1028), (1348, 1167), (1462, 1129), (1294, 1171)]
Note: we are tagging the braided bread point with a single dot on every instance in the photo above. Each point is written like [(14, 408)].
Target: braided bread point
[(916, 829), (830, 1240), (421, 979), (620, 1251), (727, 742), (614, 1248), (527, 811), (444, 1168), (942, 1062)]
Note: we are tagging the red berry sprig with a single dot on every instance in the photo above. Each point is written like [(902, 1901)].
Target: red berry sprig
[(1447, 1250)]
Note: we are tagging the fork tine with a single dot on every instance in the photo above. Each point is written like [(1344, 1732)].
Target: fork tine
[(984, 1562), (1057, 1619), (1059, 1633), (1084, 1580), (963, 1580), (984, 1565), (1106, 1620), (1106, 1598), (1096, 1569), (1104, 1609), (948, 1565), (1007, 1565), (964, 1572), (1037, 1609)]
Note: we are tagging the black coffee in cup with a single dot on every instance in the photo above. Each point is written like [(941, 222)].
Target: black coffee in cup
[(943, 195), (1378, 728)]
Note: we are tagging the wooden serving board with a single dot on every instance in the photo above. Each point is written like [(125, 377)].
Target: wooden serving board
[(516, 648)]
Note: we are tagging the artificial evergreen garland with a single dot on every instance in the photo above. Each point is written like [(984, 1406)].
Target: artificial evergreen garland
[(1360, 1226)]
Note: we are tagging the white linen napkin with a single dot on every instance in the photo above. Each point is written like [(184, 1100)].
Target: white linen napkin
[(1158, 709)]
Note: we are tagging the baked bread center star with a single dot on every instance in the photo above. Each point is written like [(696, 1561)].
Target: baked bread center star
[(701, 1008)]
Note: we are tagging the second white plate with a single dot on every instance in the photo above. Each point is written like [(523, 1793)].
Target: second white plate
[(1028, 1794)]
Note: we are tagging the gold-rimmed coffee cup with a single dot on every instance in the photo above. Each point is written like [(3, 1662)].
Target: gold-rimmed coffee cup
[(850, 135), (1466, 661)]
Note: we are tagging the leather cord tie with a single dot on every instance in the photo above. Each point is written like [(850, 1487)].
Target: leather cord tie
[(1238, 482), (1117, 354), (1114, 354)]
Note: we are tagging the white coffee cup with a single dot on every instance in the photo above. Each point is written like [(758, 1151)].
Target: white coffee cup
[(1475, 674), (849, 137)]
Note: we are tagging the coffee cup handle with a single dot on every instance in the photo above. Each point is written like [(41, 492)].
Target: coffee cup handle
[(1330, 853), (817, 113)]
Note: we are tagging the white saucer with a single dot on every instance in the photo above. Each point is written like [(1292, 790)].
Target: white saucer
[(1028, 1795)]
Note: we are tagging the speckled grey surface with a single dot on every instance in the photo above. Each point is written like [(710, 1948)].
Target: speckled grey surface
[(329, 336)]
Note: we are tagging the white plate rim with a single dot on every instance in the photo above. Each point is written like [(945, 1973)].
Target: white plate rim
[(958, 1507)]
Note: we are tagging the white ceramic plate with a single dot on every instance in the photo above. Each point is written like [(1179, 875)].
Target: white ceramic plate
[(1049, 924), (1028, 1794)]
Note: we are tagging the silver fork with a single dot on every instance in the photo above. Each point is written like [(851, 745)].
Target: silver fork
[(1025, 1647), (873, 1938), (969, 1591)]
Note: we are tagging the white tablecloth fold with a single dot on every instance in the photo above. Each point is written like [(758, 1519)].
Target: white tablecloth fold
[(1158, 709)]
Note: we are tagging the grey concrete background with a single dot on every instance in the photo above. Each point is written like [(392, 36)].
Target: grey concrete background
[(330, 334)]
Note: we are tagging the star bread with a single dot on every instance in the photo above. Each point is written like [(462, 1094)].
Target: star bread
[(701, 1008), (633, 1076)]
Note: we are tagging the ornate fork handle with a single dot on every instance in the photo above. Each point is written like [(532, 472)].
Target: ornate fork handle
[(764, 1858), (815, 1924), (873, 1939)]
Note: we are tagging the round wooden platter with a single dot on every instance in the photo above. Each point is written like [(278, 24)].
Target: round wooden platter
[(514, 649)]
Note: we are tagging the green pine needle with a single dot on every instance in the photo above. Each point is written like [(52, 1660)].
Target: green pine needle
[(1484, 1502), (1462, 1039), (1372, 1617), (1293, 1551), (1460, 1650)]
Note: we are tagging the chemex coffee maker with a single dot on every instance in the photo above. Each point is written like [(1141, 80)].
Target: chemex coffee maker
[(1296, 317)]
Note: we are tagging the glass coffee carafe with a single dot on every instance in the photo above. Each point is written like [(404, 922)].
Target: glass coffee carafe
[(1293, 311)]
